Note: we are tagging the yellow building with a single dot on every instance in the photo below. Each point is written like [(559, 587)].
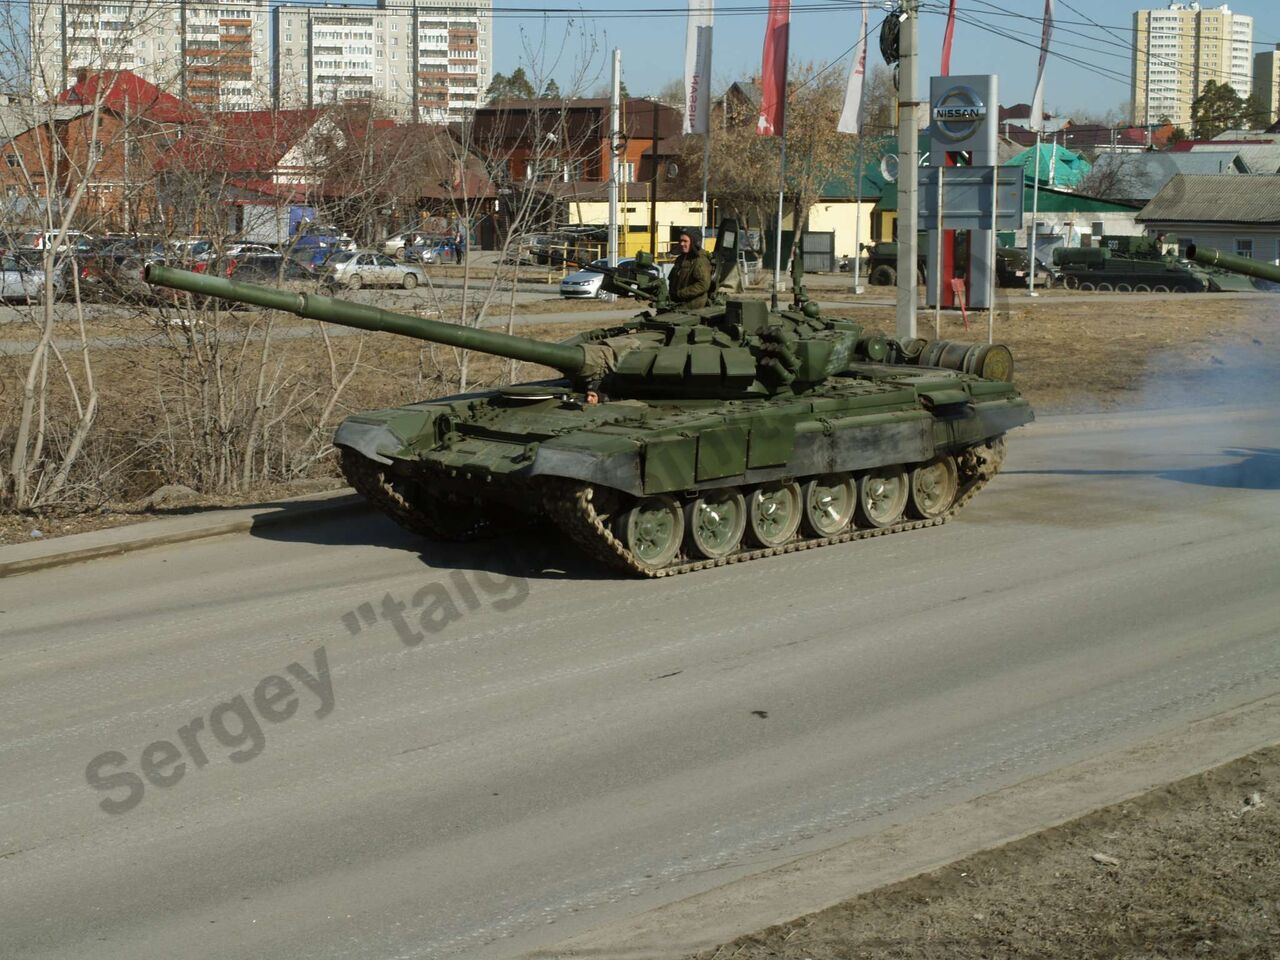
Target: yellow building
[(1178, 50), (634, 222)]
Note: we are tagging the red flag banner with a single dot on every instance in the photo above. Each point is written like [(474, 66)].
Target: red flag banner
[(947, 37), (773, 72)]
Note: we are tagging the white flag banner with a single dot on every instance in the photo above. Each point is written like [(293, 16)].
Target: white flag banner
[(851, 114), (697, 68), (1037, 101)]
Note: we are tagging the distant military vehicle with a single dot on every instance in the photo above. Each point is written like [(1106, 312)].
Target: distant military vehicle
[(1011, 266), (1140, 265)]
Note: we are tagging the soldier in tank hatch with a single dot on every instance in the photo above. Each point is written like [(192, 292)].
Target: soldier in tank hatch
[(690, 279)]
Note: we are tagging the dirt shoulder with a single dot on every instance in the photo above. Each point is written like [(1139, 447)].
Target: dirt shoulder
[(1191, 869)]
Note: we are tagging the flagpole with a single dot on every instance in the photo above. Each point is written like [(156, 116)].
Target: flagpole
[(908, 169), (857, 226), (1031, 233), (782, 185), (706, 169)]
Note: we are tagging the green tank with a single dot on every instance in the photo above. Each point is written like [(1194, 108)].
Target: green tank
[(1123, 264), (680, 440)]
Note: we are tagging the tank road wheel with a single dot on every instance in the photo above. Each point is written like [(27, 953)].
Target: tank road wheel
[(1087, 285), (715, 522), (1182, 288), (933, 488), (1105, 287), (882, 495), (828, 504), (773, 513), (652, 530), (1071, 282), (1141, 288), (883, 276), (354, 282), (1160, 288), (409, 282), (1123, 288)]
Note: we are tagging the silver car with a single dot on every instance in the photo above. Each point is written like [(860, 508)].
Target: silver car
[(590, 283), (368, 268), (21, 280)]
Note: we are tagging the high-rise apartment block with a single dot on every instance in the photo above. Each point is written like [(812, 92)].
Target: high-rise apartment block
[(423, 60), (1178, 50), (214, 55), (1266, 81)]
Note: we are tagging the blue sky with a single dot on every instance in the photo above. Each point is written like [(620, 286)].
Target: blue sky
[(651, 37)]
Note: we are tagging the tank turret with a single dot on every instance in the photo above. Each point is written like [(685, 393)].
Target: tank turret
[(726, 351)]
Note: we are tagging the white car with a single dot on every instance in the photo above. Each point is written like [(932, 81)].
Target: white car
[(368, 268), (395, 245), (41, 240), (589, 284), (21, 280)]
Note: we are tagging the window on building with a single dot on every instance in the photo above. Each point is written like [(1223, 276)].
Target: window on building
[(11, 159), (1244, 247)]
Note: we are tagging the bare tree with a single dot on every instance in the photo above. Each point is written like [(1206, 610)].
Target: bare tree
[(744, 166), (65, 150)]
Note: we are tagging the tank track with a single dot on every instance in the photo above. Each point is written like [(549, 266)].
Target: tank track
[(572, 507), (371, 482)]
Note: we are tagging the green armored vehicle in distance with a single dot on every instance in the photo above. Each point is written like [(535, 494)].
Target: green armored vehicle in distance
[(1011, 266), (680, 439), (1123, 264)]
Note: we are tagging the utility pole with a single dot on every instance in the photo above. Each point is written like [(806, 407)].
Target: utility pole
[(615, 142), (909, 165)]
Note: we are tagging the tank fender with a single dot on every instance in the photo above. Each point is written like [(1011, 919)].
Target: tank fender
[(382, 435), (619, 469)]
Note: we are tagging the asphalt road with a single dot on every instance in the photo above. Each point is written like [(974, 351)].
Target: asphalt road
[(570, 748)]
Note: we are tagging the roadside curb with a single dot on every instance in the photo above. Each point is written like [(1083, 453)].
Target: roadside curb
[(816, 881), (166, 531)]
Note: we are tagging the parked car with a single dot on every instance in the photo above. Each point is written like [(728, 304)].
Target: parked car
[(40, 240), (237, 250), (321, 235), (584, 283), (21, 280), (369, 268), (274, 271), (184, 251), (430, 250), (394, 245)]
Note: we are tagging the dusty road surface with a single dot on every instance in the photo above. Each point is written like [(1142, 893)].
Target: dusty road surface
[(503, 748)]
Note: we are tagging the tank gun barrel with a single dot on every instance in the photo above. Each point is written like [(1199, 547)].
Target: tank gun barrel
[(568, 359), (1216, 258)]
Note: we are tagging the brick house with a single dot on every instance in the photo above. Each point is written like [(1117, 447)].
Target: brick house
[(105, 133)]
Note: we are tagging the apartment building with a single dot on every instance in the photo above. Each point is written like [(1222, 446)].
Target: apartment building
[(1266, 81), (429, 61), (213, 55), (1178, 50)]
